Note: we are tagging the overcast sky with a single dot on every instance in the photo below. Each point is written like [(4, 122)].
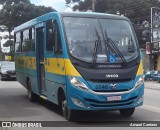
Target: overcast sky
[(59, 5)]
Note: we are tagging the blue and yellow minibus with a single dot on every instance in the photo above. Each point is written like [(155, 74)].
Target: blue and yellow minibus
[(80, 61)]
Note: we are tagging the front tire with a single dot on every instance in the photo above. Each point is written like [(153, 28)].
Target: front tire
[(31, 95), (1, 77), (67, 113), (128, 112)]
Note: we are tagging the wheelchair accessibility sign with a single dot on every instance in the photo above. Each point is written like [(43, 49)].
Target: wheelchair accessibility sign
[(112, 58)]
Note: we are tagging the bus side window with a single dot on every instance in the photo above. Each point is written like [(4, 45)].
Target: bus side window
[(17, 42), (32, 39), (26, 43), (58, 43), (50, 36)]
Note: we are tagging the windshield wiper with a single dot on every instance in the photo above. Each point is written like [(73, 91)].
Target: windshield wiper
[(96, 47), (111, 45)]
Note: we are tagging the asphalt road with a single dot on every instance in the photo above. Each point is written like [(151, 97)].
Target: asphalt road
[(15, 106)]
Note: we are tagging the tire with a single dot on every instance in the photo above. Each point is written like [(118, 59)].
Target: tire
[(31, 95), (1, 77), (68, 113), (128, 112)]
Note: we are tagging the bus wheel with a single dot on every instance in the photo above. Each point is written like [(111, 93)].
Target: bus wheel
[(31, 95), (67, 113), (128, 112)]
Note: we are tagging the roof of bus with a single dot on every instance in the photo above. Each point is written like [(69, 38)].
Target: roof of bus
[(92, 14), (65, 14)]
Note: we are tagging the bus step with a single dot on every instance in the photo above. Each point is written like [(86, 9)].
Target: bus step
[(43, 97)]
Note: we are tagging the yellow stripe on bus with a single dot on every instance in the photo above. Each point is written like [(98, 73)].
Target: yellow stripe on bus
[(26, 61), (60, 66), (52, 65), (140, 69), (56, 65), (70, 69)]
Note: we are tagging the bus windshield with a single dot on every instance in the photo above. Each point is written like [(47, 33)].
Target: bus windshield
[(90, 37)]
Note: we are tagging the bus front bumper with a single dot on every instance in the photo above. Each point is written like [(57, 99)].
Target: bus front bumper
[(81, 100)]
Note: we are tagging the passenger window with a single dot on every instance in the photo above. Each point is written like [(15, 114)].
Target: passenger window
[(26, 42), (58, 43), (50, 36), (32, 38), (18, 42)]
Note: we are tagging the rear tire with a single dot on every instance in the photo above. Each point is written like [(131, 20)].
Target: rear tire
[(128, 112), (31, 95)]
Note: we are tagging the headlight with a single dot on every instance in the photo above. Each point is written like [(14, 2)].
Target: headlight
[(139, 82), (75, 82), (3, 71)]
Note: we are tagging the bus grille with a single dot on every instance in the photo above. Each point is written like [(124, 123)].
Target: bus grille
[(122, 90), (96, 103), (110, 80)]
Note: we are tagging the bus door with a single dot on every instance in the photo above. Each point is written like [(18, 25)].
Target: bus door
[(40, 60)]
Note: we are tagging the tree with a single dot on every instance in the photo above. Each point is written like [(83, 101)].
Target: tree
[(71, 1), (8, 43), (83, 5), (16, 12), (137, 11)]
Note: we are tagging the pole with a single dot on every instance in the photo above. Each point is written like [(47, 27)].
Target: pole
[(151, 60), (0, 49), (151, 24), (93, 5)]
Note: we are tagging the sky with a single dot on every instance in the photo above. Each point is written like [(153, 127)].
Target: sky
[(58, 5)]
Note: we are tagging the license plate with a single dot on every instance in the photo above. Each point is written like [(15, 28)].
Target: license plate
[(13, 76), (114, 98)]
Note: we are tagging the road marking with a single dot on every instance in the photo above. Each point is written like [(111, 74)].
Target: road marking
[(151, 108)]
